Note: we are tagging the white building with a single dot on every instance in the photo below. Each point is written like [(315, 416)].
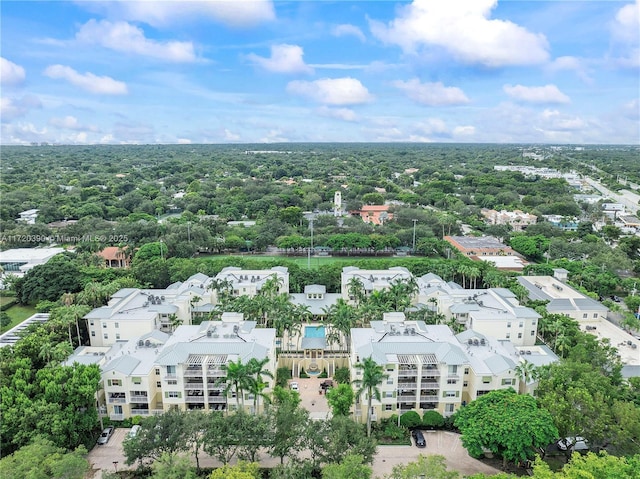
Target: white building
[(132, 312), (518, 220), (494, 312), (249, 282), (316, 299), (372, 280), (29, 217), (428, 367), (156, 372), (19, 261)]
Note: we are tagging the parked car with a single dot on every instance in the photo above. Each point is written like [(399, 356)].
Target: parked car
[(575, 443), (134, 430), (418, 437), (105, 435), (294, 386)]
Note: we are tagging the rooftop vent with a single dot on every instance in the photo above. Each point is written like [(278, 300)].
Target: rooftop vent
[(476, 342), (141, 343), (482, 341), (470, 341), (147, 343)]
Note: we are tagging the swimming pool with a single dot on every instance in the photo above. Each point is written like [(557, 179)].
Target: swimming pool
[(314, 332)]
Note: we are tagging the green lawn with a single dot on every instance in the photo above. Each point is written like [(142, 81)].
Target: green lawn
[(18, 314), (303, 261)]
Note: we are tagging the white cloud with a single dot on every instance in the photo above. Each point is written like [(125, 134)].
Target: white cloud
[(12, 108), (463, 28), (127, 38), (163, 13), (463, 131), (184, 141), (274, 136), (570, 63), (536, 94), (348, 30), (10, 73), (71, 123), (230, 136), (284, 59), (631, 109), (431, 94), (88, 82), (345, 114), (625, 30), (332, 91), (22, 134), (433, 126)]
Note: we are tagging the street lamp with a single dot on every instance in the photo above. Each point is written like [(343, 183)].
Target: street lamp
[(414, 236), (309, 251)]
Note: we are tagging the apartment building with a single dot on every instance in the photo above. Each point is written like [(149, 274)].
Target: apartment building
[(428, 367), (156, 372), (489, 249), (132, 312), (249, 282), (518, 220), (316, 299), (372, 280), (494, 312)]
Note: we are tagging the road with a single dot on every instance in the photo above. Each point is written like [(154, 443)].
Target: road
[(627, 198)]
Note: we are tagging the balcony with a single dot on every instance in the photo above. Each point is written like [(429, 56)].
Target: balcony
[(407, 385), (139, 399), (217, 399), (194, 399), (121, 400), (193, 372), (430, 383), (170, 376), (194, 386), (429, 398), (116, 417), (407, 373)]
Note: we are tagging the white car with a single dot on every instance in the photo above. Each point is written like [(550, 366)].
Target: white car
[(134, 430), (576, 443), (294, 386)]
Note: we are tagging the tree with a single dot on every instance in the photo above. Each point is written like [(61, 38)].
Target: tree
[(526, 372), (242, 470), (38, 283), (288, 423), (42, 459), (352, 467), (167, 433), (372, 376), (238, 377), (340, 399), (432, 419), (410, 419), (426, 467), (169, 466), (255, 367), (221, 437), (509, 425)]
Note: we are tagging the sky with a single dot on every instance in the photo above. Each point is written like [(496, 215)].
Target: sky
[(460, 71)]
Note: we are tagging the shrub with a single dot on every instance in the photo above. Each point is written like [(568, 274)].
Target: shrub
[(410, 419), (303, 374), (282, 376), (342, 376), (432, 420), (323, 374)]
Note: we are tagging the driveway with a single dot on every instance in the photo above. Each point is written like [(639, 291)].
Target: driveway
[(102, 458)]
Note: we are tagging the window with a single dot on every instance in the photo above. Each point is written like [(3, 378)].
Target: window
[(172, 382), (465, 384), (452, 381), (158, 384), (519, 335), (509, 324), (388, 394), (449, 408), (389, 381), (104, 325), (482, 392), (521, 324), (533, 333), (466, 370), (508, 382), (93, 334), (171, 370), (585, 315), (451, 394), (91, 322), (595, 315), (136, 380), (106, 336), (486, 379), (117, 325), (508, 335), (388, 407), (173, 394), (117, 335), (390, 368), (114, 382), (453, 370)]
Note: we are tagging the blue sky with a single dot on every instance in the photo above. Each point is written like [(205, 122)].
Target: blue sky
[(91, 72)]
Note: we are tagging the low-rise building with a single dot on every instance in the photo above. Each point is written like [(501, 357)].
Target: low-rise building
[(156, 372), (375, 214), (28, 217), (19, 261), (518, 220), (316, 299), (428, 367), (115, 257), (243, 282), (489, 249), (372, 280)]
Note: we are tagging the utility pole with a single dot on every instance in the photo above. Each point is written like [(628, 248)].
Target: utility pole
[(414, 236), (309, 251)]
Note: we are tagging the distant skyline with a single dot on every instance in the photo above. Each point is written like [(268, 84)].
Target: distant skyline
[(165, 72)]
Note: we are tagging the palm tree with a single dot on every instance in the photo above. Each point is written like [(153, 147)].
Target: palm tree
[(341, 316), (174, 322), (526, 372), (256, 369), (71, 314), (372, 376), (355, 289), (238, 377)]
